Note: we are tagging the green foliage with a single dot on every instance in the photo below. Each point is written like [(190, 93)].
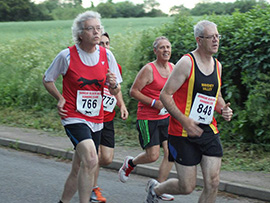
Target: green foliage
[(20, 10), (244, 51), (246, 66)]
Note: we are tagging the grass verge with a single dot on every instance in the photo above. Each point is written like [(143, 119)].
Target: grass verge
[(237, 156)]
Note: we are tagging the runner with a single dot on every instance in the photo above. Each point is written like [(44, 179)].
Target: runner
[(152, 117), (85, 67), (106, 147)]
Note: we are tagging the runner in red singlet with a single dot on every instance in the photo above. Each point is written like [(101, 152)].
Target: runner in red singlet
[(86, 68), (107, 142), (152, 117)]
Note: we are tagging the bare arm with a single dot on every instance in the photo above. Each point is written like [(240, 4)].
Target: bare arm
[(121, 104), (177, 78), (143, 78), (114, 87), (51, 88), (222, 107)]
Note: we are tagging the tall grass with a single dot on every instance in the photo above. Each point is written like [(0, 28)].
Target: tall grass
[(28, 48)]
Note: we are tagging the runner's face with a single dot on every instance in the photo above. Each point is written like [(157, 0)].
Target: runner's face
[(210, 42), (92, 32), (163, 50), (104, 42)]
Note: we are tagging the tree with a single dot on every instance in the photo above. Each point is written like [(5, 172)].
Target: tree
[(150, 4), (179, 9), (20, 10), (106, 10), (127, 9)]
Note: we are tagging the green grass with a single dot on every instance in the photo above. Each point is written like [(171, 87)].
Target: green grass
[(11, 31)]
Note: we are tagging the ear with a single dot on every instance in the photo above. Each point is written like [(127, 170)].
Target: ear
[(198, 40), (155, 51)]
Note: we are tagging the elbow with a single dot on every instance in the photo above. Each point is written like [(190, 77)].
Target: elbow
[(161, 96), (131, 92)]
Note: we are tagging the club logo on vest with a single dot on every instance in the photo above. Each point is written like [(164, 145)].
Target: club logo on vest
[(89, 82), (102, 62)]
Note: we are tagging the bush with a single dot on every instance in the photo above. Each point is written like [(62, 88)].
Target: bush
[(244, 53)]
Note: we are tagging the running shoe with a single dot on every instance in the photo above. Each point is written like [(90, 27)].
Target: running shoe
[(151, 195), (166, 197), (96, 196), (125, 170)]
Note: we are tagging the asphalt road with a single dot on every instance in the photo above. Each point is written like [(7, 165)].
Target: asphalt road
[(31, 178)]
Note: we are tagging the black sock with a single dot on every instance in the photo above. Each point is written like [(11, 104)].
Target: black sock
[(131, 163), (60, 201)]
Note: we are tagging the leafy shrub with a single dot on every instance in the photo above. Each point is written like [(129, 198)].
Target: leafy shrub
[(244, 53)]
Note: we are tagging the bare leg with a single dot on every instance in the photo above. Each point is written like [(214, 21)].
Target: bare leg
[(210, 169), (165, 166), (184, 184), (72, 181), (105, 158), (150, 155), (89, 161)]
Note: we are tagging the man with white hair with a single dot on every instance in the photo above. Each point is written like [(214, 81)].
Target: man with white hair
[(191, 95), (85, 68)]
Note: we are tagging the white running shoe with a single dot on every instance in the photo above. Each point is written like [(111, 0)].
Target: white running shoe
[(166, 197), (151, 195), (125, 170)]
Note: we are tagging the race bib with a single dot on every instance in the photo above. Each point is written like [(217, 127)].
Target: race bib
[(202, 109), (89, 102), (109, 101), (163, 111)]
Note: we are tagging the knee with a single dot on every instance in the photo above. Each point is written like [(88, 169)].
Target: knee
[(89, 163), (214, 183), (105, 160), (152, 157), (186, 188)]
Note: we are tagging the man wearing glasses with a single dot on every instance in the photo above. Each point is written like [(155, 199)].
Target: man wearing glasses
[(191, 95), (86, 68)]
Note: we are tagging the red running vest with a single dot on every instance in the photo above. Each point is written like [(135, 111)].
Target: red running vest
[(82, 77), (152, 90)]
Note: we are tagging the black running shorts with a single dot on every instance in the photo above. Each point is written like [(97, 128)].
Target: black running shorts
[(107, 135), (152, 132), (189, 151), (79, 131)]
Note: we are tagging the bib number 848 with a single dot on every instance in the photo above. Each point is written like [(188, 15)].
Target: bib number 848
[(206, 110)]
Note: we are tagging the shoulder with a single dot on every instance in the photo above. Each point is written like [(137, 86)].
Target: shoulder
[(184, 65), (64, 53), (147, 69)]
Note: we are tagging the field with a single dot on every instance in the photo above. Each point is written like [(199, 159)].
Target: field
[(38, 29)]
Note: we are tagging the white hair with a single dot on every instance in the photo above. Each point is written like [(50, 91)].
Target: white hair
[(78, 24)]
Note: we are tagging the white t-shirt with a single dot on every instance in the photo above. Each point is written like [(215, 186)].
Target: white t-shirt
[(60, 66)]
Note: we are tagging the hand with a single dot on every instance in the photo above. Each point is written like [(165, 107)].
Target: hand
[(124, 112), (60, 106), (192, 128), (111, 79), (227, 112)]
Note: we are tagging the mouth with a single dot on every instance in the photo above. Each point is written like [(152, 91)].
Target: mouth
[(166, 55)]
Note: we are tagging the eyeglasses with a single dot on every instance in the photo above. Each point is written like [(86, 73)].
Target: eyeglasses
[(212, 37), (91, 28)]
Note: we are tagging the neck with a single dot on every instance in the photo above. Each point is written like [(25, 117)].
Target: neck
[(204, 57), (161, 64), (88, 48)]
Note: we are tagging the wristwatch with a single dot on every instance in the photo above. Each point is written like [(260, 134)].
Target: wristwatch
[(116, 85)]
